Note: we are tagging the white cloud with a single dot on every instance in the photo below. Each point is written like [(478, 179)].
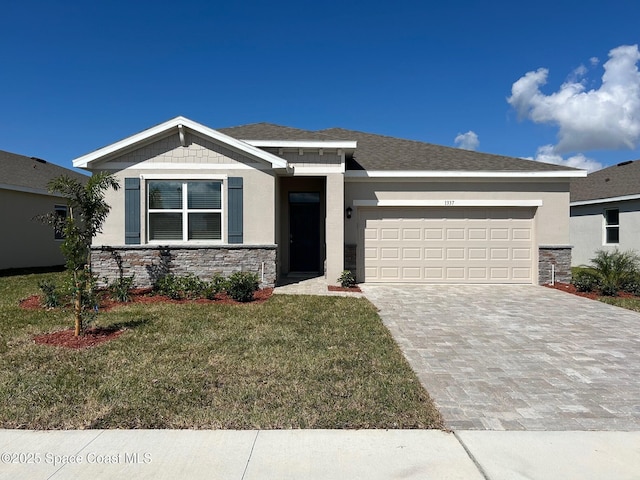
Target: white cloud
[(548, 154), (606, 118), (467, 141)]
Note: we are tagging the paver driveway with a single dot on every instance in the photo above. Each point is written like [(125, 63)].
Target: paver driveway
[(518, 357)]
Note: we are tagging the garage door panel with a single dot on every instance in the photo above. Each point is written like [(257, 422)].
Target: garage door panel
[(434, 234), (389, 233), (411, 253), (411, 234), (484, 245), (455, 254), (389, 253), (521, 233)]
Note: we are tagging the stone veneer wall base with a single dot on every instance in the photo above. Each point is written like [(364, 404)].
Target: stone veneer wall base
[(560, 257), (147, 263)]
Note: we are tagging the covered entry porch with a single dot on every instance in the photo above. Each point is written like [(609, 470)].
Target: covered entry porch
[(310, 227)]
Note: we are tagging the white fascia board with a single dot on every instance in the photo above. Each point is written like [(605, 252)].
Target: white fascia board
[(86, 160), (363, 174), (345, 144), (448, 203), (605, 200)]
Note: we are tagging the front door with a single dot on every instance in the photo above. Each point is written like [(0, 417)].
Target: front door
[(304, 232)]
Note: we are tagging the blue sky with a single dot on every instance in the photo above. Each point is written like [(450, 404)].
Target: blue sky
[(76, 76)]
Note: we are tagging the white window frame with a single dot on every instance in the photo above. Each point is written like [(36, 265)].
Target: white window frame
[(185, 210), (607, 226)]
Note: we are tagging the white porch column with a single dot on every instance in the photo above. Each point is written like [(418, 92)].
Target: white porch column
[(335, 226)]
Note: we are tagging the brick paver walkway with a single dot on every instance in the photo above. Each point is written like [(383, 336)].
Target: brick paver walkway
[(518, 357)]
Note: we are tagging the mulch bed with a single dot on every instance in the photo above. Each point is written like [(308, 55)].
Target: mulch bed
[(98, 335), (67, 339), (337, 288), (569, 288)]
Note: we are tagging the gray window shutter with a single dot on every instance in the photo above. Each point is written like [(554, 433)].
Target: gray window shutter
[(132, 211), (235, 210)]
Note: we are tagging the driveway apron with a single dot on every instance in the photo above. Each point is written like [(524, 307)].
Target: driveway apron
[(518, 357)]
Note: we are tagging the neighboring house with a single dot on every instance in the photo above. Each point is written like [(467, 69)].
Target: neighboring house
[(24, 195), (605, 211), (281, 201)]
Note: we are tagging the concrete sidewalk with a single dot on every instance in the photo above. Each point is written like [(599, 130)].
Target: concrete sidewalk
[(318, 454)]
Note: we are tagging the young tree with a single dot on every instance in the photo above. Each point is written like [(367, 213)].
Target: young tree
[(86, 213)]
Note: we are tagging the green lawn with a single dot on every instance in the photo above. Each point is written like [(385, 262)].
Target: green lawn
[(291, 362), (628, 303)]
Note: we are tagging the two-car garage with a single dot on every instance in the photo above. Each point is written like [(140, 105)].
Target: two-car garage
[(448, 244)]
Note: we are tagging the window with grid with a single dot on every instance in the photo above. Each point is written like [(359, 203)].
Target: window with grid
[(184, 210), (612, 226)]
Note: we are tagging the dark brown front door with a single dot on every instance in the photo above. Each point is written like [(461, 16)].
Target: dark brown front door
[(304, 232)]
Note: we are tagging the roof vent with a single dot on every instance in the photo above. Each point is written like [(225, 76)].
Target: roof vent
[(38, 160), (624, 163)]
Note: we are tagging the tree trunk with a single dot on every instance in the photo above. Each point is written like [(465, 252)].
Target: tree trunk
[(77, 308)]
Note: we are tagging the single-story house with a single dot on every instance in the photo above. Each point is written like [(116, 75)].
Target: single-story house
[(24, 195), (605, 211), (281, 201)]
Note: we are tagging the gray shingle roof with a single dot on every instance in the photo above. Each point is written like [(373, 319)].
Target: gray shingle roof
[(616, 181), (27, 172), (269, 131), (380, 152)]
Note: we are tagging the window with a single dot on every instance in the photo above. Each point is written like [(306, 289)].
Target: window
[(612, 226), (184, 210), (60, 212)]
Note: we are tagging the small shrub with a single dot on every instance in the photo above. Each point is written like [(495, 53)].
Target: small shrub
[(192, 286), (346, 279), (179, 288), (217, 285), (120, 289), (169, 286), (585, 281), (633, 286), (51, 295), (242, 285)]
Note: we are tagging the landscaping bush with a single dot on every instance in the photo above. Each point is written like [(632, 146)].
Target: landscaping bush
[(585, 280), (50, 294), (346, 279), (242, 285), (615, 270), (120, 289), (633, 286), (217, 285), (179, 288)]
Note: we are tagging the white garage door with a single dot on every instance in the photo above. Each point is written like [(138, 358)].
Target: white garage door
[(448, 245)]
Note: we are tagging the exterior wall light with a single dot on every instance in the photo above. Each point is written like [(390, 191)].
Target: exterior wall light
[(349, 211)]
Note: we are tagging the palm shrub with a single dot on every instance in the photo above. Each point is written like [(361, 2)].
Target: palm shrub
[(615, 270)]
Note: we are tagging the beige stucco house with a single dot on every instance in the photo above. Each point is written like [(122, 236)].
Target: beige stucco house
[(24, 195), (282, 201), (605, 211)]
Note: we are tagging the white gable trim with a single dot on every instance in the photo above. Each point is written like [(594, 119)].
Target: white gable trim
[(605, 200), (178, 123)]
